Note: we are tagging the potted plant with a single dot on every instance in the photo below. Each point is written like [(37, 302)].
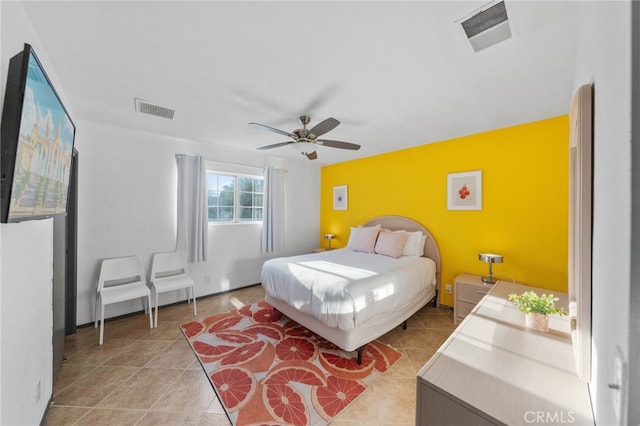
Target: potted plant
[(537, 309)]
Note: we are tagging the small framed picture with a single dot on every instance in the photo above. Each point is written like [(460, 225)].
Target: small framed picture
[(464, 191), (340, 197)]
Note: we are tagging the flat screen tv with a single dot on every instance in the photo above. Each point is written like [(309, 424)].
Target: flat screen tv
[(36, 145)]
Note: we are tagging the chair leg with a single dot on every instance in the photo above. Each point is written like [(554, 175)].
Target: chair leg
[(150, 311), (193, 296), (101, 323), (156, 321), (95, 312)]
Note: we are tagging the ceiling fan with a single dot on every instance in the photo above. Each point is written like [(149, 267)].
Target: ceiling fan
[(305, 140)]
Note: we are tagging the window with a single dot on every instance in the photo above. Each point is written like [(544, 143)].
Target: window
[(234, 198)]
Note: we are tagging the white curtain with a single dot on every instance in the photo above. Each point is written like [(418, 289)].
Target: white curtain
[(192, 235), (273, 211)]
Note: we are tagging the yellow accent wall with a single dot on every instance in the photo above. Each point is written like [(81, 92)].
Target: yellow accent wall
[(524, 212)]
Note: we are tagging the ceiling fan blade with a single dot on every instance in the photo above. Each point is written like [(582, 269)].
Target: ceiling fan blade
[(338, 144), (312, 155), (324, 126), (275, 145), (274, 130)]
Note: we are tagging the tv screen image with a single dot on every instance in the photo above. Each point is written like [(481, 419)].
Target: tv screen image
[(37, 145)]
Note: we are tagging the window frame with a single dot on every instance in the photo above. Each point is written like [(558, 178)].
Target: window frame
[(236, 197)]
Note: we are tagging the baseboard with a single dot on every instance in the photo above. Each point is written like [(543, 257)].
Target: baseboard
[(46, 411), (131, 314)]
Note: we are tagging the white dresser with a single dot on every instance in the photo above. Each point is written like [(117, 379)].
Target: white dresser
[(492, 370)]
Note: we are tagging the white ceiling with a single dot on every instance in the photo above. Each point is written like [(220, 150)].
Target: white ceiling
[(396, 74)]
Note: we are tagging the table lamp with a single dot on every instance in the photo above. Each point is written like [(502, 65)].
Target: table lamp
[(489, 258), (329, 237)]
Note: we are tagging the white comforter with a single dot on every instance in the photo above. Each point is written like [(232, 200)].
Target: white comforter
[(343, 288)]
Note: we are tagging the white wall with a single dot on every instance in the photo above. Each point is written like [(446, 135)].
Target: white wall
[(26, 270), (127, 205), (26, 320), (634, 296), (604, 58)]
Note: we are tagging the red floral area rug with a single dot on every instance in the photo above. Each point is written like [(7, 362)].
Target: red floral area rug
[(267, 369)]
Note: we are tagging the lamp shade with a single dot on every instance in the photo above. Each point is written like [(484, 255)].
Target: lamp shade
[(490, 257)]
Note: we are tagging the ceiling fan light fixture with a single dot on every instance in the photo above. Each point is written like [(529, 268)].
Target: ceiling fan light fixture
[(304, 148)]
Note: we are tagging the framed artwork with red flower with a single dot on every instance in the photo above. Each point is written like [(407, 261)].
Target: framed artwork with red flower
[(464, 190)]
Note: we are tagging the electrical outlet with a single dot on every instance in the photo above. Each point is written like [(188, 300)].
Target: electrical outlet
[(207, 279), (447, 288), (38, 390)]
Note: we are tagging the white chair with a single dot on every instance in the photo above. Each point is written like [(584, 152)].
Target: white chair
[(121, 279), (170, 271)]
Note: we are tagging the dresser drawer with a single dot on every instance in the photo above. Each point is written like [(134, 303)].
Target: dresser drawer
[(470, 293), (463, 309)]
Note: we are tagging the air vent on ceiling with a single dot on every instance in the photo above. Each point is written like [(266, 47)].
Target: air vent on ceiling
[(487, 27), (147, 108)]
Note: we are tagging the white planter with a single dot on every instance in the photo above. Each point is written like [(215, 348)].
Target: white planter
[(537, 322)]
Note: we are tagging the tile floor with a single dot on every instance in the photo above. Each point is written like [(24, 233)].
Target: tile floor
[(151, 377)]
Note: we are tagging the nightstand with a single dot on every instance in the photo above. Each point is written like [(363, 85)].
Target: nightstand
[(468, 291)]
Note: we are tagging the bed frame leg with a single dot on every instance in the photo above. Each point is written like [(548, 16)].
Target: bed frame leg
[(360, 350), (404, 325)]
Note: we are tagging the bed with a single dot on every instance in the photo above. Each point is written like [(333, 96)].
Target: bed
[(353, 297)]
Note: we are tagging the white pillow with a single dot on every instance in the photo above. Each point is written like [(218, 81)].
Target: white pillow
[(363, 238), (415, 244), (423, 240), (391, 243)]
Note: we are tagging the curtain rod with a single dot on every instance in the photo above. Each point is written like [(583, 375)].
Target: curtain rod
[(233, 163)]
